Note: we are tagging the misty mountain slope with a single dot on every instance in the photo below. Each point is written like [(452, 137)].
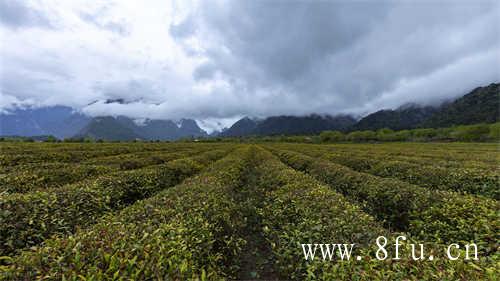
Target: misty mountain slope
[(189, 128), (408, 117), (124, 128), (158, 129), (479, 106), (59, 121), (290, 125), (482, 105), (243, 127), (108, 128), (294, 125)]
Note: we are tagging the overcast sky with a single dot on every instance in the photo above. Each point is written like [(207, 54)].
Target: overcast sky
[(221, 60)]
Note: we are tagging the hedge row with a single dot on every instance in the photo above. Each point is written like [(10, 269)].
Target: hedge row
[(299, 209), (30, 177), (477, 155), (28, 219), (481, 152), (446, 161), (51, 176), (464, 180), (42, 154), (428, 215), (188, 232)]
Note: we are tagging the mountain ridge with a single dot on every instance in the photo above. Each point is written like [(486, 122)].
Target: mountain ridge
[(481, 105)]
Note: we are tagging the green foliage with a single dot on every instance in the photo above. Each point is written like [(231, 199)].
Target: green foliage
[(477, 132), (494, 134), (482, 105), (408, 207), (424, 134), (51, 139), (360, 136), (468, 133), (477, 179), (28, 219), (223, 211), (384, 134), (187, 232), (331, 136)]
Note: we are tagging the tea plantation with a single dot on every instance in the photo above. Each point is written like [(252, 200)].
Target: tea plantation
[(218, 211)]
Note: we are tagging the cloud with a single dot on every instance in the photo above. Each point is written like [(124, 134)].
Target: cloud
[(16, 14), (220, 60), (103, 19), (342, 56)]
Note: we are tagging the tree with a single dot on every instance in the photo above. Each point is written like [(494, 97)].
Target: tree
[(477, 132), (51, 139), (494, 134), (331, 136)]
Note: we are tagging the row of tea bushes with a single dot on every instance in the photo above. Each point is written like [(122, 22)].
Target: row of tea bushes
[(188, 232), (481, 156), (442, 161), (298, 209), (428, 215), (31, 177), (464, 180), (27, 219), (111, 148), (52, 175), (486, 153), (52, 152)]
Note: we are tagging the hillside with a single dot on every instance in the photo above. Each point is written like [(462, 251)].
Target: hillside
[(482, 105), (124, 128), (289, 125), (408, 117), (107, 128), (242, 127), (59, 121), (479, 106)]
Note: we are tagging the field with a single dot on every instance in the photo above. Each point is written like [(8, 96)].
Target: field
[(212, 211)]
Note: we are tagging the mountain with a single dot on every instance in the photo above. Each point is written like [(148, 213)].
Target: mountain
[(107, 128), (124, 128), (242, 127), (303, 125), (157, 129), (405, 117), (189, 128), (59, 121), (289, 125), (65, 122), (482, 105)]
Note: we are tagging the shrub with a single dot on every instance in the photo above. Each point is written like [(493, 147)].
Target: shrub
[(408, 207), (27, 219), (191, 231), (130, 165), (494, 134)]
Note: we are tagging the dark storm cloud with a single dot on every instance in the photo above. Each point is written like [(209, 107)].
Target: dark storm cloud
[(18, 14), (338, 56)]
